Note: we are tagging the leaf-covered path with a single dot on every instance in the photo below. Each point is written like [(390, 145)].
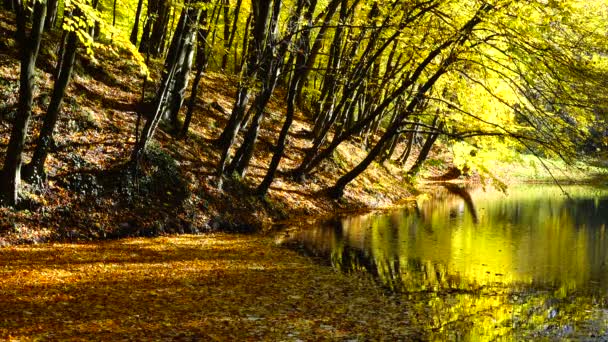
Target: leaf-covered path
[(213, 287)]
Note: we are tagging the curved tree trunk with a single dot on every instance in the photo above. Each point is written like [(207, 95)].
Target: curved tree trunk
[(35, 169), (426, 148)]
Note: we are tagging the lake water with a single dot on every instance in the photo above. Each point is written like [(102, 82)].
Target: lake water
[(478, 264)]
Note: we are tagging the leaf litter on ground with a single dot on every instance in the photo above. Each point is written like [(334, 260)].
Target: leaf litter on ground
[(212, 287)]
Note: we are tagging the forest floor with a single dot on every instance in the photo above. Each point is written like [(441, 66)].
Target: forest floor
[(213, 287)]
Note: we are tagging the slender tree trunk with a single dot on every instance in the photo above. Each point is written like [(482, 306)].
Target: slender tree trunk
[(177, 57), (315, 155), (245, 49), (243, 155), (51, 14), (159, 30), (201, 65), (94, 29), (35, 169), (235, 21), (298, 76), (114, 14), (411, 136), (135, 30), (261, 15), (61, 51), (144, 42), (337, 190), (155, 28), (265, 27), (426, 148), (231, 130), (28, 49), (227, 23), (329, 12)]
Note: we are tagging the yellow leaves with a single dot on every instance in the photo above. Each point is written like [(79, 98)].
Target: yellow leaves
[(222, 286)]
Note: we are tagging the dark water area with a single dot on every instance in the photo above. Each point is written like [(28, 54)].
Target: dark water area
[(478, 264)]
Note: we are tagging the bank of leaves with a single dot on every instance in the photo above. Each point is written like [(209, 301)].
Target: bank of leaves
[(216, 287)]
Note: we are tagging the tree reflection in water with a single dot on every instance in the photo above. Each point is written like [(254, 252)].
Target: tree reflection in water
[(481, 265)]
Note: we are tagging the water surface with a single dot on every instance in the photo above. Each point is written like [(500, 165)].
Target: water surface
[(482, 265)]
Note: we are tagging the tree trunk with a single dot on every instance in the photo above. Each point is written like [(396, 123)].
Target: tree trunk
[(426, 148), (28, 49), (298, 76), (135, 30), (261, 11), (178, 91), (226, 4), (337, 190), (245, 49), (201, 65), (315, 155), (51, 14), (144, 42), (329, 12), (233, 32), (411, 136), (155, 28), (35, 169), (94, 30), (176, 59), (265, 27)]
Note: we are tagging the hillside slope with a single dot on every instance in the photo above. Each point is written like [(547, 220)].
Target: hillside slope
[(90, 193)]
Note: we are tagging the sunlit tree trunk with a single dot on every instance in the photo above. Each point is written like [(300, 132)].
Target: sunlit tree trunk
[(301, 59), (272, 65), (410, 136), (201, 64), (327, 14)]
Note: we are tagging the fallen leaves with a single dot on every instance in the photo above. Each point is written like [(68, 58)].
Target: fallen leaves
[(216, 287)]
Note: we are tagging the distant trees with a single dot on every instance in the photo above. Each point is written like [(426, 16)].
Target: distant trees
[(155, 29)]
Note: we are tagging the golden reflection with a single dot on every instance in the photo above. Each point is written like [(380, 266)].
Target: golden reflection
[(483, 265)]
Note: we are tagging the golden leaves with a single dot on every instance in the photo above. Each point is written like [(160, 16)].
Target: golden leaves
[(216, 287)]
